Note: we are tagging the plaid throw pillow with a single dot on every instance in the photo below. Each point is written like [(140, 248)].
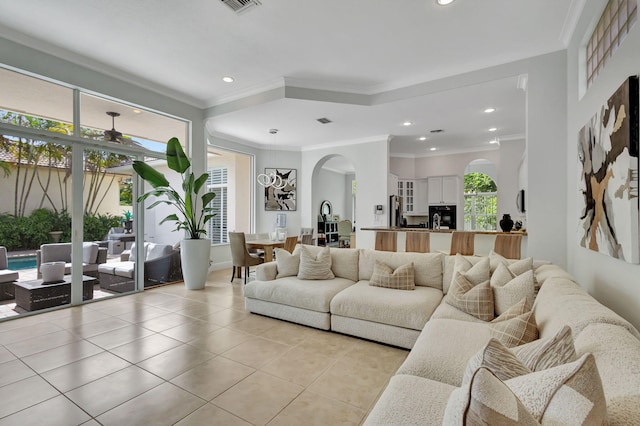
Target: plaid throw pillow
[(403, 278), (476, 300), (515, 331)]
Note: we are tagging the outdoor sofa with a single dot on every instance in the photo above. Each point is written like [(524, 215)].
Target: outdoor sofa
[(582, 364)]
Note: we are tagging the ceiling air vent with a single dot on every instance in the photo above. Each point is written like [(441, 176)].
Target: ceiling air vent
[(241, 5), (323, 120)]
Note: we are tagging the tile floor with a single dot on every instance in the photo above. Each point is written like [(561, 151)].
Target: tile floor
[(170, 356)]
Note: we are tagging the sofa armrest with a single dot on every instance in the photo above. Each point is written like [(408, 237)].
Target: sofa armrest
[(124, 256), (267, 271), (38, 263), (158, 270)]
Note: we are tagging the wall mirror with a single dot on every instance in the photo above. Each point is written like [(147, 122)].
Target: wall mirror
[(325, 208)]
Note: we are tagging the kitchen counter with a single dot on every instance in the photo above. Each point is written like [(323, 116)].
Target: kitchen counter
[(441, 231)]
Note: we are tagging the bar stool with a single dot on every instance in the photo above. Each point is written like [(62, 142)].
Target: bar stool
[(387, 241), (462, 242), (418, 242), (508, 245)]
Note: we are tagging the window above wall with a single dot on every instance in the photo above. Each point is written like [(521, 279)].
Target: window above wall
[(612, 28)]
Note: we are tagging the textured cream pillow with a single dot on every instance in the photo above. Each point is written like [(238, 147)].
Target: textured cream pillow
[(315, 266), (518, 309), (288, 263), (486, 400), (400, 279), (476, 300), (498, 359), (548, 353), (475, 273), (509, 289), (567, 394), (515, 331)]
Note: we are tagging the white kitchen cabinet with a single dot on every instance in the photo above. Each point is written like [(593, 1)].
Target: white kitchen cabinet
[(443, 189), (406, 190), (421, 202)]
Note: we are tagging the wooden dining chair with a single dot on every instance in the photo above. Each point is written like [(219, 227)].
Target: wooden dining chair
[(290, 243), (462, 242), (418, 242), (508, 245), (386, 241), (240, 256)]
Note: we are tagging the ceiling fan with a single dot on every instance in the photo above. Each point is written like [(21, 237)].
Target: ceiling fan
[(115, 136)]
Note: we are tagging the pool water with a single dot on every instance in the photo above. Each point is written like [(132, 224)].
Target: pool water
[(22, 262)]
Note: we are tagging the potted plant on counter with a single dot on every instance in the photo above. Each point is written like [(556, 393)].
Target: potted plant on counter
[(193, 211), (127, 221)]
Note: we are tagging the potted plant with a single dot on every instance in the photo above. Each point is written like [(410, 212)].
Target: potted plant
[(192, 215), (127, 221)]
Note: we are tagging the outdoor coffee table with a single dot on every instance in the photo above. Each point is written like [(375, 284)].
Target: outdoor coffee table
[(33, 295)]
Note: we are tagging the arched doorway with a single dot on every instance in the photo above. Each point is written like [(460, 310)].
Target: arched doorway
[(480, 196), (333, 180)]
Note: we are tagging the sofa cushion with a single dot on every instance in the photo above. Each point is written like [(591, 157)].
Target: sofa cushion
[(315, 265), (407, 309), (400, 279), (509, 288), (567, 394), (344, 261), (446, 311), (515, 331), (427, 266), (314, 295), (498, 359), (126, 270), (410, 400), (287, 263), (547, 353), (56, 252), (436, 355), (134, 252), (486, 400), (90, 253), (156, 251), (476, 300)]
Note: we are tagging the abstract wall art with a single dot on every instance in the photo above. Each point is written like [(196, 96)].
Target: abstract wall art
[(276, 199), (608, 181)]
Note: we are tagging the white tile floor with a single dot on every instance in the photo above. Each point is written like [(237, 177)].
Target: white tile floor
[(171, 356)]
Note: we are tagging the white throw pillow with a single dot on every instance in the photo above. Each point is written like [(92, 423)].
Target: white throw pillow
[(315, 266), (288, 264), (509, 288)]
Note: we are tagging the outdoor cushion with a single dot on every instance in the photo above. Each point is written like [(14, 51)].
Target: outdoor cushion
[(89, 253), (7, 275), (155, 251)]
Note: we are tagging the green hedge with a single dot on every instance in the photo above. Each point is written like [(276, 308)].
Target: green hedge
[(30, 232)]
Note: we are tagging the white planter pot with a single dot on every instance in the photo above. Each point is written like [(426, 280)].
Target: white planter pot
[(52, 271), (195, 255)]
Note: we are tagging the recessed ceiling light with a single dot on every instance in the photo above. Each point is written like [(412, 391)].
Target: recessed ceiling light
[(228, 79), (137, 111), (489, 110), (493, 129), (407, 123), (422, 138), (444, 2), (433, 148)]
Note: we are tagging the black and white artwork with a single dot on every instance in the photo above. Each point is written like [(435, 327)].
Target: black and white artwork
[(608, 181), (278, 199)]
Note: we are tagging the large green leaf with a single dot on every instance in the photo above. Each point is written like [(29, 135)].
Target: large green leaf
[(177, 160), (170, 217), (207, 198), (151, 175), (197, 185)]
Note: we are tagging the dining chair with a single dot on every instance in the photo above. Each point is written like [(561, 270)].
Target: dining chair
[(306, 236), (240, 256), (418, 242), (508, 245), (290, 243), (344, 233), (462, 242), (251, 237)]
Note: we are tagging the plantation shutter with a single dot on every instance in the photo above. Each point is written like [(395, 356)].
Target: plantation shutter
[(217, 183)]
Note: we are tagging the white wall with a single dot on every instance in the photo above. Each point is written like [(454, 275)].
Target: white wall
[(370, 160), (613, 282)]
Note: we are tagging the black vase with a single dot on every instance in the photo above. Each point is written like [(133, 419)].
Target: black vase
[(506, 223)]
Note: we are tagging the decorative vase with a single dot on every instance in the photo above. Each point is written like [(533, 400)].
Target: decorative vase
[(506, 224), (52, 272), (55, 236), (195, 256), (128, 226)]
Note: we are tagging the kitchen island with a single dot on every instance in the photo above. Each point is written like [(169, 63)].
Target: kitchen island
[(395, 239)]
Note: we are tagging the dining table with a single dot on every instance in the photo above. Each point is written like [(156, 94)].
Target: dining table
[(267, 245)]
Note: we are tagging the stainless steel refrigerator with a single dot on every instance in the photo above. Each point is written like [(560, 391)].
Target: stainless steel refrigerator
[(395, 211)]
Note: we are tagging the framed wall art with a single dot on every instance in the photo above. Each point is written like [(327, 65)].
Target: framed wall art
[(279, 199), (608, 182)]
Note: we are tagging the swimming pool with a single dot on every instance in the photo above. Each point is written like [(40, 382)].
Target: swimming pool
[(22, 262)]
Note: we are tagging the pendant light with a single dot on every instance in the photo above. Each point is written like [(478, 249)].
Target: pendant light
[(271, 179)]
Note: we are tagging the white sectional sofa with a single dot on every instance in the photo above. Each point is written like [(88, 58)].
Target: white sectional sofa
[(443, 339)]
